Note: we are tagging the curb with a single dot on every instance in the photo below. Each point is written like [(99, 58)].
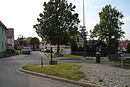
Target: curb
[(61, 79)]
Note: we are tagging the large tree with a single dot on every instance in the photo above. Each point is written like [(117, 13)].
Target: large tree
[(35, 42), (57, 22), (109, 27)]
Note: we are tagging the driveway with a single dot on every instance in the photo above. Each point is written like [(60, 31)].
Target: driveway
[(10, 76)]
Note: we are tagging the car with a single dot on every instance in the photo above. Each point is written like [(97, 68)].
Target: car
[(26, 50), (47, 50)]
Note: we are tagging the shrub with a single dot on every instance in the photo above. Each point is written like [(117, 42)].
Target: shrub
[(10, 51)]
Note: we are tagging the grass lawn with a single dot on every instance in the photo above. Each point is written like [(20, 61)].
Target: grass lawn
[(72, 56), (45, 53), (63, 70), (76, 56)]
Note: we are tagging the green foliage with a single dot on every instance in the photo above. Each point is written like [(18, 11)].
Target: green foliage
[(10, 52), (58, 22), (109, 27), (63, 70), (22, 42), (128, 48), (35, 42)]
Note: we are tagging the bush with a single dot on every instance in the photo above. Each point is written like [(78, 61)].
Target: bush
[(10, 51)]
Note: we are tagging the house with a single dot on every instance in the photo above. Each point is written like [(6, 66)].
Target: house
[(3, 38), (64, 49), (10, 37), (79, 40), (123, 45)]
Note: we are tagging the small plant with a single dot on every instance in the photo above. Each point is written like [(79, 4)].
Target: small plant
[(100, 80), (126, 86)]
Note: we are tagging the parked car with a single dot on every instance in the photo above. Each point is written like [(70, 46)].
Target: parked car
[(46, 50), (26, 50)]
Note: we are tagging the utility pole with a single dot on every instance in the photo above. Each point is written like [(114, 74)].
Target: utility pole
[(83, 31), (83, 14)]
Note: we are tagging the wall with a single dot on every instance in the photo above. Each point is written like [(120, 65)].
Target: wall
[(3, 39), (11, 41), (63, 48)]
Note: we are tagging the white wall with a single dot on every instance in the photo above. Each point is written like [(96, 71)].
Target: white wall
[(10, 41), (63, 48)]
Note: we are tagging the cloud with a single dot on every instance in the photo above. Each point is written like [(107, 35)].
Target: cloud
[(126, 19)]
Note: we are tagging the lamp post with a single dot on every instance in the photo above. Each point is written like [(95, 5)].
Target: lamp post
[(52, 62)]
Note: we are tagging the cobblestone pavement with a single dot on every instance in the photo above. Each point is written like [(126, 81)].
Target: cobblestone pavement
[(105, 75)]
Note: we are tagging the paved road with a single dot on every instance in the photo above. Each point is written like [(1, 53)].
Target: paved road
[(10, 76)]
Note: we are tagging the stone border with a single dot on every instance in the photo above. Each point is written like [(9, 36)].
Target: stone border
[(61, 79)]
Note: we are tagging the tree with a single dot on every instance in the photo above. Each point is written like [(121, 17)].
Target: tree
[(35, 42), (21, 42), (109, 27), (57, 23)]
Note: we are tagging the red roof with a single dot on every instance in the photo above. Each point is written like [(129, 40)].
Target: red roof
[(123, 43), (10, 33)]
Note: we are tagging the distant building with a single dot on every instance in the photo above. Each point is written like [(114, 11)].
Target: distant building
[(64, 49), (10, 37), (79, 40), (3, 38), (123, 45)]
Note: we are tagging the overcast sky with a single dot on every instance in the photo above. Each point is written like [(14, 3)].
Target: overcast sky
[(22, 14)]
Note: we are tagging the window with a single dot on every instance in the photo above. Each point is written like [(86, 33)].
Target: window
[(2, 43)]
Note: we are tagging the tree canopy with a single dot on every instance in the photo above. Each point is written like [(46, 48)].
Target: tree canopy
[(57, 22), (35, 42), (109, 28)]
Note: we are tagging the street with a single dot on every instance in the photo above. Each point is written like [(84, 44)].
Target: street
[(10, 76)]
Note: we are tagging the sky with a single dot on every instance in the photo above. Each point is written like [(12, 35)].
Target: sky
[(22, 14)]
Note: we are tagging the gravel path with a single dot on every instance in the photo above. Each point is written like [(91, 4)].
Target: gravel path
[(106, 75)]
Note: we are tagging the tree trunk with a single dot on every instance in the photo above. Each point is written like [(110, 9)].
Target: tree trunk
[(33, 47), (109, 46), (58, 48)]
